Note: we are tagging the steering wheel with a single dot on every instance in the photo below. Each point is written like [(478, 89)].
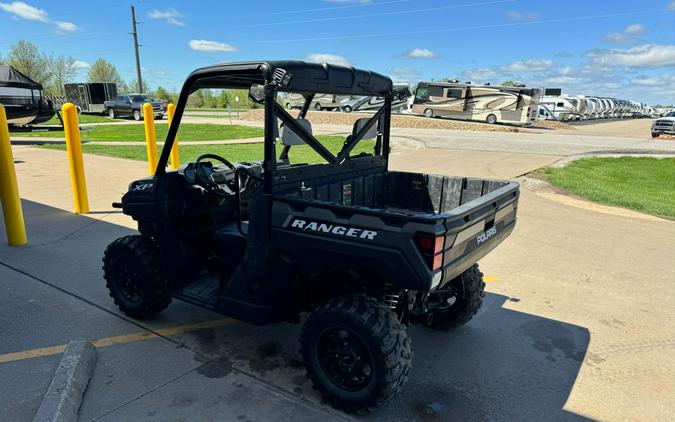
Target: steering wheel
[(208, 181)]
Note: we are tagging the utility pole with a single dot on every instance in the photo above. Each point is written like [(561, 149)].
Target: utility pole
[(138, 59)]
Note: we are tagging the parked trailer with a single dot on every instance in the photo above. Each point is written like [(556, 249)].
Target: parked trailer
[(319, 102), (399, 102), (491, 104), (90, 96), (23, 98)]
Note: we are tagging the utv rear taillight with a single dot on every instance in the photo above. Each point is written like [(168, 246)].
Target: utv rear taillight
[(431, 248)]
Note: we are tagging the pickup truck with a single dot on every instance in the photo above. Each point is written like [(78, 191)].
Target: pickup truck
[(664, 125), (364, 250), (131, 105)]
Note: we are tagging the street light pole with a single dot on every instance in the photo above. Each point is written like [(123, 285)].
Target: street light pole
[(138, 59)]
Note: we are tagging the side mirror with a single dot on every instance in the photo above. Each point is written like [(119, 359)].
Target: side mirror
[(256, 93)]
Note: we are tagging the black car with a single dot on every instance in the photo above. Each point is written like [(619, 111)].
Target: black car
[(363, 249)]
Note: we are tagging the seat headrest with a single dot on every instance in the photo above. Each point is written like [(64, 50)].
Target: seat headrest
[(359, 124), (288, 137)]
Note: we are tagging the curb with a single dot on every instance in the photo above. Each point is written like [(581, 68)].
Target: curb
[(62, 400)]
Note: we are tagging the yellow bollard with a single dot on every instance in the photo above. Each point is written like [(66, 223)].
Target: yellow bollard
[(71, 129), (9, 189), (175, 160), (150, 137)]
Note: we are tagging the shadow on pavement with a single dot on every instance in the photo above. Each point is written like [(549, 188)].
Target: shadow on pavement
[(503, 365)]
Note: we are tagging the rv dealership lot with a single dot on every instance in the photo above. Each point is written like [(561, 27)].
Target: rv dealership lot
[(577, 325)]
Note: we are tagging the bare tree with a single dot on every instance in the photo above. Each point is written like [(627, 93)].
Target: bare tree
[(104, 71), (25, 57), (62, 70)]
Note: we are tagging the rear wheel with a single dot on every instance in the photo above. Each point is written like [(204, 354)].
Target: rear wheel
[(111, 113), (289, 106), (317, 107), (429, 112), (347, 109), (356, 352), (463, 305), (491, 119), (133, 276), (137, 115)]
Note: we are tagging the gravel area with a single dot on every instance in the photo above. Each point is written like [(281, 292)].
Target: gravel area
[(398, 120), (552, 124)]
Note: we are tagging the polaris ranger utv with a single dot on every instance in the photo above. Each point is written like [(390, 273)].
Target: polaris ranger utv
[(364, 250)]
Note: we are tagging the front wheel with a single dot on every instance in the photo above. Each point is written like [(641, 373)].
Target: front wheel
[(463, 305), (111, 113), (137, 115), (655, 134), (356, 352), (429, 112), (317, 107), (491, 119), (133, 276), (347, 109)]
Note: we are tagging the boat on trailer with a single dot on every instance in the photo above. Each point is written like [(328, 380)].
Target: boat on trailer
[(23, 98)]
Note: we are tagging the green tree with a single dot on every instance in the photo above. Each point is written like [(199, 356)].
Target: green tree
[(133, 87), (104, 71), (162, 94), (225, 98), (25, 57), (62, 69), (512, 83)]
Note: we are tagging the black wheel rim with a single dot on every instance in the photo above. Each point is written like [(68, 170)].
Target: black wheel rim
[(128, 285), (344, 359)]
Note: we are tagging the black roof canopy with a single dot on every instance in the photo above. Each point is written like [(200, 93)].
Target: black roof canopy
[(11, 77), (293, 76)]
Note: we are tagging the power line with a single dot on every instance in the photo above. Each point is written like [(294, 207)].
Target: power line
[(464, 28)]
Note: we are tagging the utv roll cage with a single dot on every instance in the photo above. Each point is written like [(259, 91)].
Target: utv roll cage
[(264, 80)]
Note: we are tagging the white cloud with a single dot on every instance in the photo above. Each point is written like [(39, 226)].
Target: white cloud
[(521, 16), (635, 29), (327, 58), (80, 64), (66, 26), (25, 11), (566, 70), (481, 74), (529, 65), (628, 36), (420, 53), (171, 15), (211, 46), (648, 55), (403, 74)]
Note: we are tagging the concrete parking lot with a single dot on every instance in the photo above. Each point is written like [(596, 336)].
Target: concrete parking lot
[(578, 322)]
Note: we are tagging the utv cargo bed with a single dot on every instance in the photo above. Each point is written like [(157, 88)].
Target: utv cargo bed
[(472, 215)]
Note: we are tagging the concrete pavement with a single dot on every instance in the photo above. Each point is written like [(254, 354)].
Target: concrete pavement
[(577, 324)]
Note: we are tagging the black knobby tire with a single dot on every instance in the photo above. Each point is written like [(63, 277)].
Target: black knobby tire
[(133, 276), (468, 300), (381, 353)]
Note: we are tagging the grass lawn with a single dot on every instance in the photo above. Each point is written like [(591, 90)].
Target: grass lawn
[(83, 119), (136, 132), (234, 153), (643, 184), (224, 110)]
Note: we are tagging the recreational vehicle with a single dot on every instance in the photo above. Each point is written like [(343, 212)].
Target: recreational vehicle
[(554, 106), (23, 99), (89, 97), (491, 104), (319, 102), (398, 103)]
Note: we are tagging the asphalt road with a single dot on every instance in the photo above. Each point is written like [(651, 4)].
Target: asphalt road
[(577, 323)]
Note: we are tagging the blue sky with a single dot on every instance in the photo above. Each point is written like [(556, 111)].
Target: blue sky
[(619, 48)]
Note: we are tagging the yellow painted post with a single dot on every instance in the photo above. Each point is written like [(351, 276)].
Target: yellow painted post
[(150, 137), (9, 189), (175, 159), (71, 128)]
